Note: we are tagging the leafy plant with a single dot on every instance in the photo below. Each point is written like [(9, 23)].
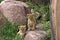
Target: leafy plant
[(8, 31), (18, 37), (1, 0)]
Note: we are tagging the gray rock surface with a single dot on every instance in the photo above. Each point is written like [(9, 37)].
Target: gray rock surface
[(35, 35), (15, 11), (2, 19)]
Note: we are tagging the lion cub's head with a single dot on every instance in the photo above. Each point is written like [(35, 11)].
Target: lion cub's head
[(22, 28), (30, 16)]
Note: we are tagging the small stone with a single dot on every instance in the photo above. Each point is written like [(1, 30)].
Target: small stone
[(39, 26)]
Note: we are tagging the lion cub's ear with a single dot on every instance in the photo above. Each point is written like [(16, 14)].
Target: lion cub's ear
[(28, 15), (18, 26)]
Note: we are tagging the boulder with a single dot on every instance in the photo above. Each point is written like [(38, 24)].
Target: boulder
[(2, 19), (15, 11), (35, 35)]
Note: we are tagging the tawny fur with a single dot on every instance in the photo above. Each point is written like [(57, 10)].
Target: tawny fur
[(22, 30), (31, 22)]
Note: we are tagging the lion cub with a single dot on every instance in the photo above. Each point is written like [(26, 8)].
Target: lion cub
[(22, 30), (31, 22)]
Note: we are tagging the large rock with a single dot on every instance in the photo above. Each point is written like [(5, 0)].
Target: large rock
[(35, 35), (2, 19), (15, 11)]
